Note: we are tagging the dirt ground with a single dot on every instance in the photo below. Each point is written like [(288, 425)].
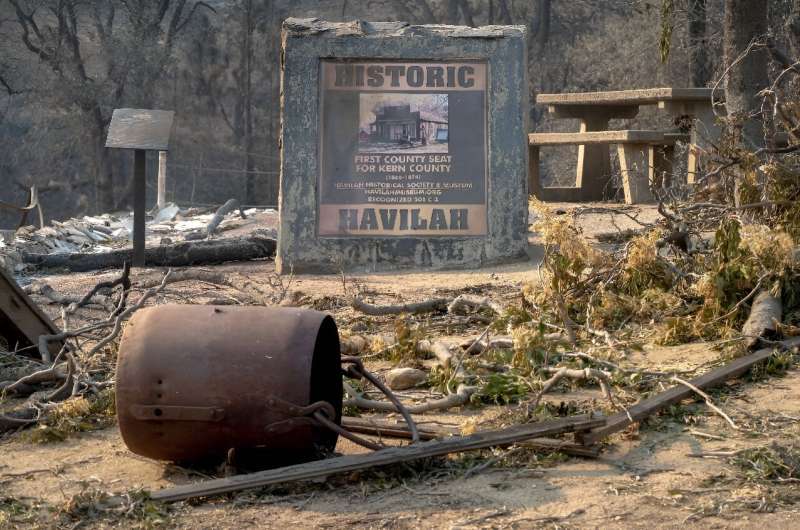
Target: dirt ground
[(653, 476)]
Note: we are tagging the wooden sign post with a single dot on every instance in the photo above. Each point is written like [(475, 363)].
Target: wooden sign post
[(141, 130)]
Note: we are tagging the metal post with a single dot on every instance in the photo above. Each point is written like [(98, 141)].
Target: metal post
[(139, 182), (162, 180)]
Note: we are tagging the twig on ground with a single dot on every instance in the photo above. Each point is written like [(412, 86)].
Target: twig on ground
[(708, 400), (603, 379), (466, 352)]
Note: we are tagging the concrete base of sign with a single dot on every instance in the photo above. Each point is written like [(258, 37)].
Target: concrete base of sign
[(305, 43)]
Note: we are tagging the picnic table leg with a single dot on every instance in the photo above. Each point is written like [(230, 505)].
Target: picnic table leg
[(534, 177), (705, 132), (594, 164), (661, 165), (634, 163)]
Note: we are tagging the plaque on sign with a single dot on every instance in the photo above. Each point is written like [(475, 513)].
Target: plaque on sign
[(144, 129), (402, 146), (403, 149)]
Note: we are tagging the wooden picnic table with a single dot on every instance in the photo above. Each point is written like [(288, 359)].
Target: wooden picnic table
[(596, 109)]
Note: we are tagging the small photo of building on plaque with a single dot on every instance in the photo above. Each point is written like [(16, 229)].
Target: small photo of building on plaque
[(403, 122)]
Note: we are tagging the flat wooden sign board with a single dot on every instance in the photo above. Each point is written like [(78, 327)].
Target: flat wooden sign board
[(140, 129), (21, 320)]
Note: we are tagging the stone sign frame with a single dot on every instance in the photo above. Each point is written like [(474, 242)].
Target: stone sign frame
[(305, 43)]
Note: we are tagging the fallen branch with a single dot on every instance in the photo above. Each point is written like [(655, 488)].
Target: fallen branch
[(708, 399), (9, 423), (124, 280), (427, 306), (114, 320), (48, 375), (602, 378), (229, 206), (498, 343), (459, 398), (470, 303), (45, 290)]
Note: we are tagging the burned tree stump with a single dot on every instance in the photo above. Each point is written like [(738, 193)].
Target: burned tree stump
[(765, 314)]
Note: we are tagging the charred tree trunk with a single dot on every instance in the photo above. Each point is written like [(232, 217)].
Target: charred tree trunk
[(452, 12), (255, 246), (273, 60), (698, 44), (103, 174), (543, 34), (505, 13), (247, 64), (427, 13), (745, 23), (793, 29), (467, 12)]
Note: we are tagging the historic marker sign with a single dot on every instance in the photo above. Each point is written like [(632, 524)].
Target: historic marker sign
[(402, 146), (403, 149)]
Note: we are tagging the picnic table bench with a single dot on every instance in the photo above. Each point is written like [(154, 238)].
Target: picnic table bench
[(596, 109), (645, 158)]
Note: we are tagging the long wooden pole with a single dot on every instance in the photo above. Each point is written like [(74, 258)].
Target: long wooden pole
[(392, 455), (161, 200), (139, 197), (678, 393)]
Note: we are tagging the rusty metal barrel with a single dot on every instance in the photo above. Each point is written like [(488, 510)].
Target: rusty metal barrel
[(194, 382)]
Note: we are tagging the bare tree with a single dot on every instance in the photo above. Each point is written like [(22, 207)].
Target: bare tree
[(505, 13), (698, 44), (100, 54), (745, 29), (793, 28)]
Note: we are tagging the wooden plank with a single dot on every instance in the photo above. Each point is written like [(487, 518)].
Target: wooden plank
[(21, 320), (386, 429), (583, 112), (562, 446), (392, 455), (634, 164), (140, 129), (599, 137), (647, 96), (678, 393)]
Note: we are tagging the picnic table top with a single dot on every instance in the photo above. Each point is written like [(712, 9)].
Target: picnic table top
[(606, 137), (643, 96)]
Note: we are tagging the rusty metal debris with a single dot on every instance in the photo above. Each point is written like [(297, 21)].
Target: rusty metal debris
[(196, 381)]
